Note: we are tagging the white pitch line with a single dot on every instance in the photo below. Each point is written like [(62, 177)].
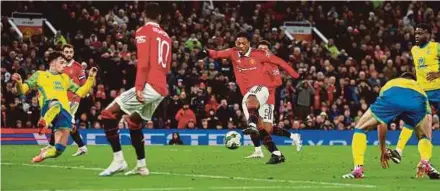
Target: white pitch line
[(207, 176), (270, 187), (124, 189)]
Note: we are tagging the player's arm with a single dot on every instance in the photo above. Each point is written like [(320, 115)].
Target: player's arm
[(143, 46), (220, 54), (382, 132), (82, 77), (283, 64), (85, 88), (434, 75), (23, 88)]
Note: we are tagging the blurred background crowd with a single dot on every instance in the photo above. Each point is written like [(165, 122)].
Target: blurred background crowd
[(369, 43)]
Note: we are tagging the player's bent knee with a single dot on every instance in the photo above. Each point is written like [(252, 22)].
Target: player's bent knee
[(106, 114), (252, 102), (132, 124)]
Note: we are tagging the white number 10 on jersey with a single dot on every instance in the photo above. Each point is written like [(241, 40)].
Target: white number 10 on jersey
[(161, 45)]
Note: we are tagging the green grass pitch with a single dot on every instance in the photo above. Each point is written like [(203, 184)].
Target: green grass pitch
[(210, 168)]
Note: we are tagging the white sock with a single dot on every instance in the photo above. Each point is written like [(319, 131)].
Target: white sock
[(141, 163), (258, 149), (83, 148), (118, 156), (293, 136), (278, 153)]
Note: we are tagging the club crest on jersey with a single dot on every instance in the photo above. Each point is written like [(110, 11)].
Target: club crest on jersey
[(141, 39), (251, 61)]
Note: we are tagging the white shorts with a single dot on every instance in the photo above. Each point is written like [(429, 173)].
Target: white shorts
[(73, 108), (129, 104), (266, 110)]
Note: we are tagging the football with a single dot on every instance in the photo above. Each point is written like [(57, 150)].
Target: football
[(232, 140)]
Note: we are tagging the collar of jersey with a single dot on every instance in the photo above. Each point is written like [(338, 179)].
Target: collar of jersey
[(247, 53), (425, 45), (152, 23)]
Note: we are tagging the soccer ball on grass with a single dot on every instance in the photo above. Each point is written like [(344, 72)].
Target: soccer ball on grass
[(232, 140)]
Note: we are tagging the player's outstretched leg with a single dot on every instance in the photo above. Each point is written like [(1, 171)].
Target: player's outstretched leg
[(51, 142), (276, 156), (61, 137), (258, 153), (137, 141), (82, 149), (110, 119), (359, 144), (405, 135), (296, 137)]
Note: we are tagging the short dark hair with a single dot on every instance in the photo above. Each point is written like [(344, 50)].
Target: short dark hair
[(264, 42), (67, 46), (54, 55), (243, 35), (408, 75), (152, 10), (424, 26)]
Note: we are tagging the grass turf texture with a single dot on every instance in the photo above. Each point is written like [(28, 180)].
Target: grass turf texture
[(210, 168)]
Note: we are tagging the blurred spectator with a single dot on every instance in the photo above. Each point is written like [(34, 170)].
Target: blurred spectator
[(175, 139), (305, 91), (184, 116)]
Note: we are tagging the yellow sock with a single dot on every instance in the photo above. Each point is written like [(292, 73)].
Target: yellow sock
[(358, 147), (404, 137), (51, 113), (425, 149), (50, 153)]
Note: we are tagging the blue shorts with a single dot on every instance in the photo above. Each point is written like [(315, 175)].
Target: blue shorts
[(62, 121), (409, 104), (434, 99)]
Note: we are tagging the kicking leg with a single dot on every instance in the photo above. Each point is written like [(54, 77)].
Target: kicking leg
[(61, 137), (137, 141), (252, 106), (110, 119)]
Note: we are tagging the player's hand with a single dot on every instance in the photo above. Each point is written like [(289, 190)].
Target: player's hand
[(432, 76), (139, 96), (384, 157), (202, 54), (93, 71), (16, 77)]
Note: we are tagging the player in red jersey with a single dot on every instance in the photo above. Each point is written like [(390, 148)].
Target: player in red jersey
[(74, 70), (248, 67), (154, 57), (272, 77)]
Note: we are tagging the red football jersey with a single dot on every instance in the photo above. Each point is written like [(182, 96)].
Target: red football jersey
[(154, 57), (273, 79), (248, 68), (75, 71)]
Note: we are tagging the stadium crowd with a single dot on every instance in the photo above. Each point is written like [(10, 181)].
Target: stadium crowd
[(339, 80)]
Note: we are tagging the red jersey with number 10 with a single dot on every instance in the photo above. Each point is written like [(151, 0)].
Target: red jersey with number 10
[(154, 57), (78, 75)]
